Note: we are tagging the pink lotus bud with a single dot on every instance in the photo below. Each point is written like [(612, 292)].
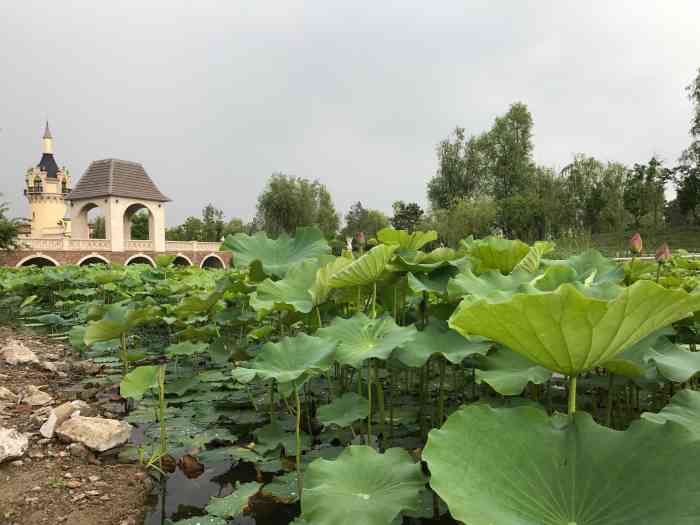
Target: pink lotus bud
[(636, 244), (663, 254), (360, 237)]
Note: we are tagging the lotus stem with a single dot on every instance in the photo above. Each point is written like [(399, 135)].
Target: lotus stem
[(124, 355), (608, 406), (318, 317), (391, 407), (300, 483), (374, 301), (161, 412), (272, 400), (441, 393), (369, 409), (572, 395)]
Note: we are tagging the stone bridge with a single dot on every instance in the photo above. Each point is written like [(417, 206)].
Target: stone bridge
[(65, 250)]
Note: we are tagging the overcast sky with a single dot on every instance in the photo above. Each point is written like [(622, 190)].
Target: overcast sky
[(213, 99)]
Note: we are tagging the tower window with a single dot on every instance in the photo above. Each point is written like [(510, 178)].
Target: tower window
[(37, 187)]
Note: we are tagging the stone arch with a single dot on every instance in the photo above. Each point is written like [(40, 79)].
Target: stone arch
[(133, 209), (37, 259), (80, 226), (182, 260), (212, 260), (93, 258), (140, 258)]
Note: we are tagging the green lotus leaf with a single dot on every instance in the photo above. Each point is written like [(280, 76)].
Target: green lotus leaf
[(283, 489), (683, 409), (276, 255), (344, 411), (490, 284), (404, 240), (321, 289), (361, 486), (518, 465), (187, 348), (531, 262), (570, 332), (292, 292), (675, 363), (438, 339), (366, 269), (422, 262), (509, 373), (180, 386), (434, 282), (273, 435), (235, 503), (592, 267), (117, 320), (492, 253), (360, 338), (139, 381), (290, 360)]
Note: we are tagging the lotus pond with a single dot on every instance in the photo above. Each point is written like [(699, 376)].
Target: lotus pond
[(399, 383)]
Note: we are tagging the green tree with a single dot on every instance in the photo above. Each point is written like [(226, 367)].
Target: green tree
[(406, 216), (8, 229), (466, 216), (98, 228), (361, 219), (140, 225), (212, 224), (235, 226), (687, 173), (289, 202)]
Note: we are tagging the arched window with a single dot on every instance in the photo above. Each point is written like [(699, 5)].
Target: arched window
[(37, 187)]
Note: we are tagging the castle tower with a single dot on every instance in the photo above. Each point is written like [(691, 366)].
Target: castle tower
[(46, 187)]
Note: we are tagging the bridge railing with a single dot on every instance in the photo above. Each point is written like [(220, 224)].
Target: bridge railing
[(89, 244), (191, 246)]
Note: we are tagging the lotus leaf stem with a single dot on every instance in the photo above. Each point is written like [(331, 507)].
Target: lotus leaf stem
[(572, 395), (300, 482), (609, 405), (369, 408)]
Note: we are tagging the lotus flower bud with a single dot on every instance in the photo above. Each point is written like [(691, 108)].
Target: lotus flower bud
[(663, 254), (360, 238), (636, 244)]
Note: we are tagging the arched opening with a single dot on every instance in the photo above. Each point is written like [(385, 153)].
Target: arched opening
[(39, 261), (92, 259), (140, 259), (211, 262), (181, 260), (89, 223), (138, 223)]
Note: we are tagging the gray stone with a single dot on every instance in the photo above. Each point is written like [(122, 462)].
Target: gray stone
[(7, 394), (13, 445), (31, 395), (15, 353), (96, 433), (61, 413)]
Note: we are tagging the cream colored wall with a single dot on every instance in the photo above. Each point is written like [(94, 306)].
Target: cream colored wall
[(47, 214)]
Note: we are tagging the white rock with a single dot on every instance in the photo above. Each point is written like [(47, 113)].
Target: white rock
[(13, 445), (15, 353), (7, 394), (31, 395), (62, 412), (96, 433)]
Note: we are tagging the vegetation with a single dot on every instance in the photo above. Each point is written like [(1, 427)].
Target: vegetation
[(8, 229), (532, 386)]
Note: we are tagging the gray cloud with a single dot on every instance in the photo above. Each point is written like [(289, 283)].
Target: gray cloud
[(214, 98)]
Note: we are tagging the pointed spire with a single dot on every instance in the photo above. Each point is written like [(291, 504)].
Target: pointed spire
[(47, 131)]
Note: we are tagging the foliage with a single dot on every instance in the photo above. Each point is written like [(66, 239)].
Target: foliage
[(8, 229), (406, 216), (360, 219)]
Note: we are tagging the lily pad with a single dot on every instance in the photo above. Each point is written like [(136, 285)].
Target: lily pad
[(683, 409), (360, 338), (509, 373), (344, 411), (570, 332), (235, 503), (293, 292), (139, 381), (518, 465), (361, 486), (492, 253)]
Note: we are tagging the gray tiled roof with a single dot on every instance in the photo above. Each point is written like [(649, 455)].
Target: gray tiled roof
[(118, 178)]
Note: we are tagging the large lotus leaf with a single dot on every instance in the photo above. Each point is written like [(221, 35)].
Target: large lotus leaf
[(364, 270), (360, 338), (361, 486), (593, 267), (509, 373), (321, 288), (292, 292), (683, 409), (187, 348), (276, 255), (139, 381), (518, 465), (438, 339), (117, 320), (489, 284), (421, 262), (531, 262), (290, 360), (492, 253), (273, 435), (404, 240), (435, 282), (235, 503), (570, 332), (344, 411)]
